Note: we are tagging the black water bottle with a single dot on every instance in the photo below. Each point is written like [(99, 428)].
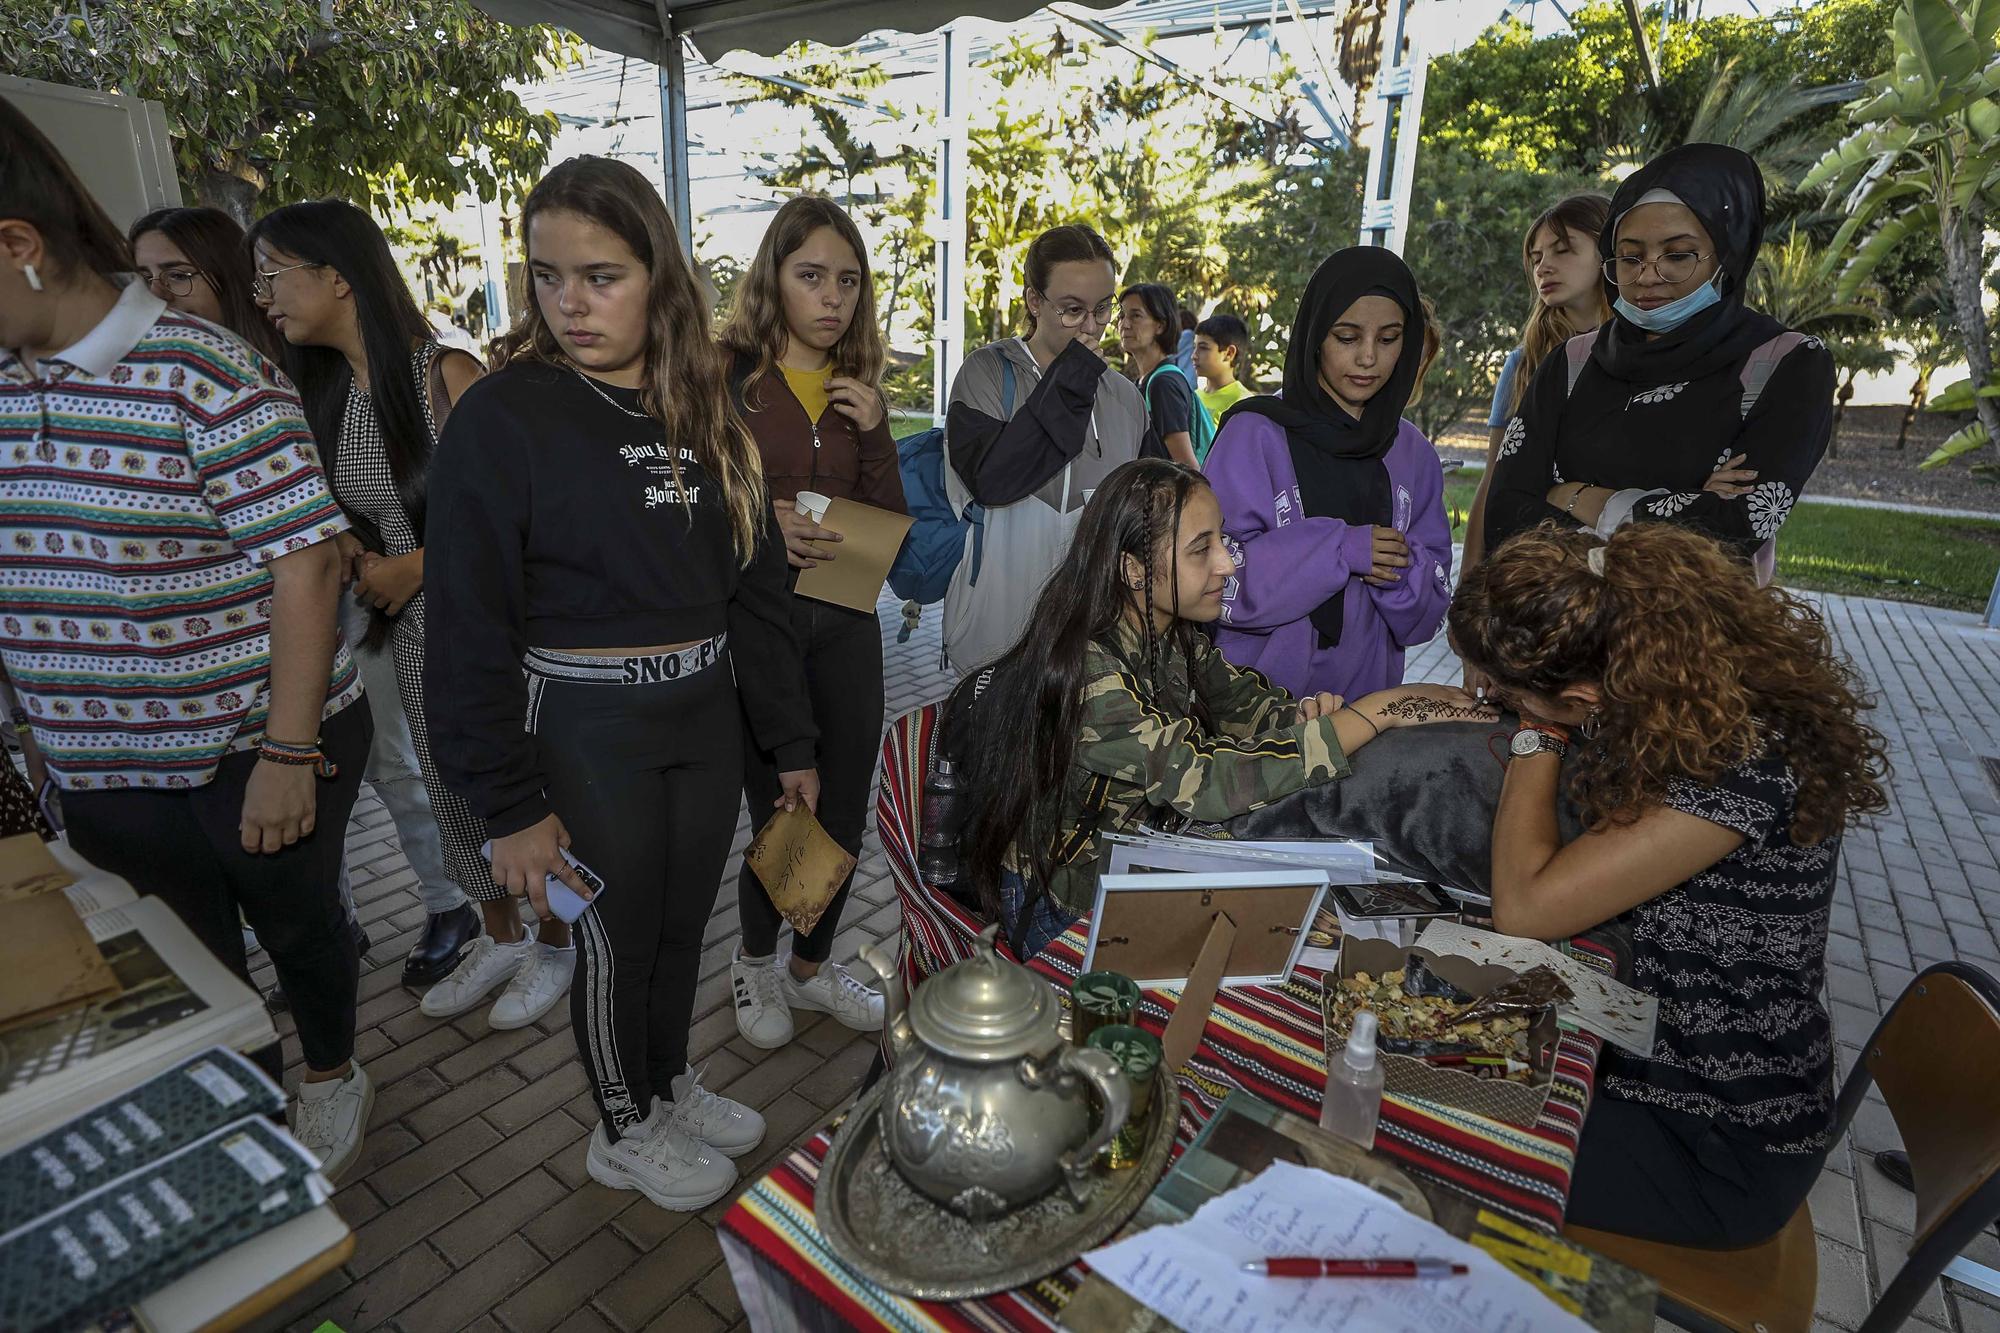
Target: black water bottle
[(937, 851)]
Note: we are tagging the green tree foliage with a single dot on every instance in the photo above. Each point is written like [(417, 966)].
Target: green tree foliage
[(385, 102), (1923, 162)]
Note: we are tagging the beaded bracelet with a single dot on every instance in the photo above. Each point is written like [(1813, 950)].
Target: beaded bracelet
[(301, 756)]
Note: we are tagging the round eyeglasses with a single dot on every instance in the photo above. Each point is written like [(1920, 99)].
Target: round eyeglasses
[(260, 281), (1676, 266), (173, 280)]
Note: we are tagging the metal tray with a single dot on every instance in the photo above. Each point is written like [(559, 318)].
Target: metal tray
[(907, 1243)]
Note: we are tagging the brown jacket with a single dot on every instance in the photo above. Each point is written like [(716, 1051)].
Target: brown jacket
[(829, 456)]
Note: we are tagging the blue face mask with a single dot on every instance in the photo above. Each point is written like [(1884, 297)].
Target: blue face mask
[(1668, 317)]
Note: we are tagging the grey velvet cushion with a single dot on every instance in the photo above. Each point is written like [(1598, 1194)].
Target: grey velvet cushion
[(1425, 796)]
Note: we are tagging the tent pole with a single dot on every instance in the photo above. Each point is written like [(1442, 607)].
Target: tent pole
[(953, 164), (674, 129), (1391, 136)]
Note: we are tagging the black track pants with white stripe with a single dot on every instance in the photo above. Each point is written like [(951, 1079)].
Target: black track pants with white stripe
[(648, 780)]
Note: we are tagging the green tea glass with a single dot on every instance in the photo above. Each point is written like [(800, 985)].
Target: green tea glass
[(1138, 1053), (1098, 999)]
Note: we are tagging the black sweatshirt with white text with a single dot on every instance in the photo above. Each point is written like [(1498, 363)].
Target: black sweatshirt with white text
[(555, 522)]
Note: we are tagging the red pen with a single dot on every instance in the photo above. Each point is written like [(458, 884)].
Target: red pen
[(1355, 1268)]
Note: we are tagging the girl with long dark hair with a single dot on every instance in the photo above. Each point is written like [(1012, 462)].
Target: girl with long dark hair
[(1149, 333), (1115, 712), (1723, 754), (1035, 424), (608, 577), (1687, 406), (1336, 501), (198, 262), (168, 620), (378, 388), (807, 365)]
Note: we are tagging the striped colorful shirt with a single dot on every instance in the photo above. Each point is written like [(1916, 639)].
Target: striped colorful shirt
[(148, 473)]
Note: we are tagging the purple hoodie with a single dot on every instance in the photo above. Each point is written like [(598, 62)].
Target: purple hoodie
[(1287, 564)]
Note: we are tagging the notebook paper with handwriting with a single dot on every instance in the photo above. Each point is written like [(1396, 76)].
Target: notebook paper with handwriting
[(1191, 1273)]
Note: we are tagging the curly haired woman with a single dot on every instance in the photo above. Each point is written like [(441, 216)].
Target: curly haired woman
[(1723, 756)]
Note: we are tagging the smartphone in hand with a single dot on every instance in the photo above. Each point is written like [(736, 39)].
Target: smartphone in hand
[(563, 900)]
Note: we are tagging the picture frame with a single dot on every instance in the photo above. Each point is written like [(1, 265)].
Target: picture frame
[(1152, 927)]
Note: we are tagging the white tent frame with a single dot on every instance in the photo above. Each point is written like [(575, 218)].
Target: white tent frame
[(656, 30)]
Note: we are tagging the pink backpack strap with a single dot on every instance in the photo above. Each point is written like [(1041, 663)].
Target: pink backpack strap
[(1577, 350), (1762, 363)]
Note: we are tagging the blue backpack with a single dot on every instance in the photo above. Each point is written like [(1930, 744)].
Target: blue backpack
[(930, 555)]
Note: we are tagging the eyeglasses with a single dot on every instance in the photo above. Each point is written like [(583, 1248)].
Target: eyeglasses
[(177, 280), (1676, 266), (1072, 314), (260, 283)]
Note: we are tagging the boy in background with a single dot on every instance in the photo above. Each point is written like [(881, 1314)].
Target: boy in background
[(1222, 359)]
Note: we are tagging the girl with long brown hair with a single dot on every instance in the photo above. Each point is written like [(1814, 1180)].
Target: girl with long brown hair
[(198, 262), (603, 557), (807, 366), (1722, 755), (1559, 257)]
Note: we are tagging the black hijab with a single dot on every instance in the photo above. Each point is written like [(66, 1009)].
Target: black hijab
[(1337, 459), (1724, 189)]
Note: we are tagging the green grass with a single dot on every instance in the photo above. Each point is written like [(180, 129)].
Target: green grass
[(1948, 562)]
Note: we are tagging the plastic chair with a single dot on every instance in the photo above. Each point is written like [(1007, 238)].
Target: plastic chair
[(1936, 1056)]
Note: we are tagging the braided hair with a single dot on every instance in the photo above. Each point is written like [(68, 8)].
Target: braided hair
[(1019, 740)]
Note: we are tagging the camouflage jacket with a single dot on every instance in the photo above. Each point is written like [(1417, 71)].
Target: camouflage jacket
[(1143, 762)]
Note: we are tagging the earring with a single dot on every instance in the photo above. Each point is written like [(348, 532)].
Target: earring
[(1589, 728), (34, 278)]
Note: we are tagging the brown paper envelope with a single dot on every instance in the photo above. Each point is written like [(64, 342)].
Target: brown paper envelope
[(28, 867), (799, 866), (860, 564), (53, 963)]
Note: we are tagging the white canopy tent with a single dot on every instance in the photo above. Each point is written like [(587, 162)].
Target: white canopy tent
[(656, 30)]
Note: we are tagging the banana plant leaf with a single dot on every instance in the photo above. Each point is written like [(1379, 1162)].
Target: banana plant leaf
[(1969, 440)]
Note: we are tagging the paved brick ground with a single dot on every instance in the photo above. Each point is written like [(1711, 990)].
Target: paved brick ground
[(471, 1205)]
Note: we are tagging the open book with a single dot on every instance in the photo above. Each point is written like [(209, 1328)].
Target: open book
[(175, 999)]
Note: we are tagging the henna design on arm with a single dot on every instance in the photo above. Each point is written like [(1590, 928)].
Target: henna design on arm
[(1424, 708)]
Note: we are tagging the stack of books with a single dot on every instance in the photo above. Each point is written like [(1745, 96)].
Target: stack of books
[(146, 1178)]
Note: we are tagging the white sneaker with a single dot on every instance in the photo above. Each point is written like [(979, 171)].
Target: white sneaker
[(834, 990), (486, 966), (660, 1160), (762, 1015), (730, 1128), (537, 985), (330, 1118)]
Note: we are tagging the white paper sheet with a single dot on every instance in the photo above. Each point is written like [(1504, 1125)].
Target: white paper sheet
[(1192, 1272), (1621, 1015)]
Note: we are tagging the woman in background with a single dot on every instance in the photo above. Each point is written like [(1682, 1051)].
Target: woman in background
[(1687, 407), (1723, 754), (378, 389), (805, 375), (198, 262), (1149, 333), (1036, 424), (1335, 501), (1559, 255)]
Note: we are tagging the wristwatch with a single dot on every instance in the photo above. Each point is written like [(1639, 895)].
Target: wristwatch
[(1533, 740)]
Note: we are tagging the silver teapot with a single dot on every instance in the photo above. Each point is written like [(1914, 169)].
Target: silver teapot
[(988, 1108)]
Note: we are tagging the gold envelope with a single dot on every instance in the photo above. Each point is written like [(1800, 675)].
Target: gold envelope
[(799, 866), (870, 538)]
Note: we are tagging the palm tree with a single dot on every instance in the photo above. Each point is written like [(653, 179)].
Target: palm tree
[(1794, 284)]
